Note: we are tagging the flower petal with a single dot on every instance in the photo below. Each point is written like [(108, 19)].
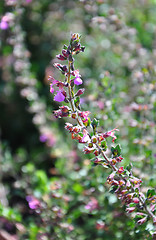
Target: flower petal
[(59, 97), (78, 81), (51, 88)]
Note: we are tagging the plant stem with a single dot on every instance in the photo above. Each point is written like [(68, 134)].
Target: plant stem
[(114, 168)]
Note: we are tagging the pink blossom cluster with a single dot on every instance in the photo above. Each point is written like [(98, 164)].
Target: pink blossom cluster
[(6, 21), (85, 131)]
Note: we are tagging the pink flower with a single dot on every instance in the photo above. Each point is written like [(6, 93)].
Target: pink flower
[(130, 209), (136, 200), (85, 137), (54, 81), (59, 97), (3, 25), (6, 20), (51, 88), (61, 94), (84, 116), (61, 57), (152, 207), (100, 225), (142, 220), (77, 79), (111, 134), (33, 202), (62, 112), (120, 170), (136, 182), (48, 137), (92, 204)]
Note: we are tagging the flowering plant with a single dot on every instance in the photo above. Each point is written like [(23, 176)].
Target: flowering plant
[(122, 181)]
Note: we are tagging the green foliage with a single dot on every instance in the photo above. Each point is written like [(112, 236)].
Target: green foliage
[(11, 214), (151, 193)]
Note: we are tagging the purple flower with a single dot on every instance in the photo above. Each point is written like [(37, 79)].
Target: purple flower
[(54, 81), (6, 20), (111, 134), (61, 94), (59, 97), (33, 202), (43, 138), (77, 79), (4, 25)]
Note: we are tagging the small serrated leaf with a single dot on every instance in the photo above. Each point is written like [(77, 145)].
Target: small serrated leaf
[(129, 167), (116, 151)]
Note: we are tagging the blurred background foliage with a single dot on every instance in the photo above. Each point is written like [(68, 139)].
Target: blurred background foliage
[(48, 188)]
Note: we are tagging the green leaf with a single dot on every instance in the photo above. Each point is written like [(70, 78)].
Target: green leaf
[(104, 145), (116, 151), (77, 188), (89, 122), (150, 193), (77, 102), (129, 167), (95, 124), (132, 205)]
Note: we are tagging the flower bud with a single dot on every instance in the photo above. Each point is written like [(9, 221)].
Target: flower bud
[(80, 92), (70, 58), (90, 145), (98, 160), (73, 115), (100, 138), (96, 153), (88, 150), (120, 170), (64, 68), (61, 57), (113, 161), (130, 209), (65, 109), (119, 159), (65, 53), (136, 200), (94, 139), (142, 220)]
